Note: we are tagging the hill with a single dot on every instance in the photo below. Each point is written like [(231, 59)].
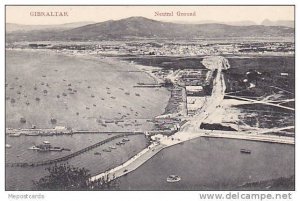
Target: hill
[(12, 27), (286, 23), (140, 27)]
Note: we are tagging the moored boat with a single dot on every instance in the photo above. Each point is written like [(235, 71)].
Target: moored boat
[(106, 150), (245, 151), (34, 148), (45, 147), (120, 143), (125, 140), (173, 178)]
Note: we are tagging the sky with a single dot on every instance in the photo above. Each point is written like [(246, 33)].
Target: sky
[(22, 14)]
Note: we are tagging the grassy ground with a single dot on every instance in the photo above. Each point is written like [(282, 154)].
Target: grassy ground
[(270, 69), (260, 78), (281, 183)]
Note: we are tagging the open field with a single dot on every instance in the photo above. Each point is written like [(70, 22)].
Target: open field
[(78, 92), (266, 79), (169, 62), (264, 73)]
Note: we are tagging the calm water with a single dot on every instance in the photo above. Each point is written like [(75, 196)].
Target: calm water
[(104, 90), (19, 151), (18, 178), (212, 164)]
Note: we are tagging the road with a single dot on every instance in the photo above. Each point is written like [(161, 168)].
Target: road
[(261, 102), (184, 136), (212, 102)]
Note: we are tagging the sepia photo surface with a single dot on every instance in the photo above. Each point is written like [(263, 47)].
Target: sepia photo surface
[(149, 98)]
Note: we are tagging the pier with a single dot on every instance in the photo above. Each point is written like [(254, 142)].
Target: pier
[(67, 157)]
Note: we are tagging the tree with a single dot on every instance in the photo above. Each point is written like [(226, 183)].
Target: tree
[(64, 177), (104, 183)]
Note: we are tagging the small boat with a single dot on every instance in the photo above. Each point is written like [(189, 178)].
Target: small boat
[(55, 149), (46, 142), (125, 140), (106, 150), (34, 148), (112, 147), (97, 153), (173, 178), (7, 146), (245, 151), (50, 149), (120, 143)]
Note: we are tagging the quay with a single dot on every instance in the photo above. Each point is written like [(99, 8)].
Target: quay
[(51, 132), (130, 165)]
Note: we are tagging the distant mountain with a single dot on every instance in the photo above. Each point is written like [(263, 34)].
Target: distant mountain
[(140, 27), (286, 23), (234, 23), (241, 23), (12, 27)]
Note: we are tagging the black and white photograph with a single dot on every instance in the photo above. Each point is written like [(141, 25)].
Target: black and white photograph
[(149, 98)]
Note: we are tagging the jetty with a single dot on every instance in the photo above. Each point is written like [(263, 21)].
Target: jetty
[(69, 156)]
